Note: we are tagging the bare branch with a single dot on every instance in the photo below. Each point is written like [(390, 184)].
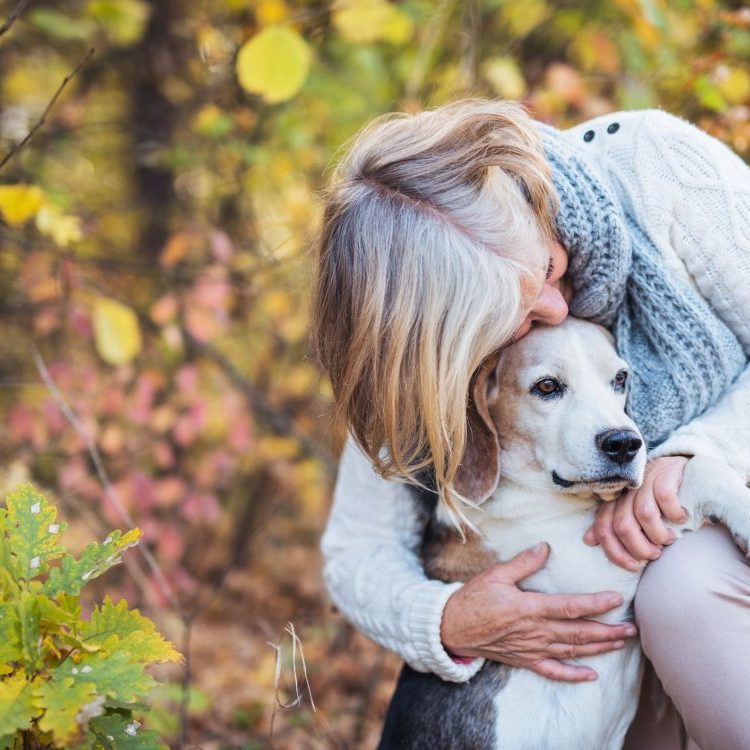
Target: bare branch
[(109, 489), (13, 17), (40, 122)]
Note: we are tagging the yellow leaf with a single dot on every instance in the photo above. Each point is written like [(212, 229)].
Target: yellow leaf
[(522, 16), (124, 21), (733, 84), (268, 12), (504, 75), (364, 21), (18, 203), (274, 64), (117, 335), (64, 229)]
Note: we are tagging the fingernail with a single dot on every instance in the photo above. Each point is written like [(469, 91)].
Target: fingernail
[(591, 677), (635, 567), (618, 644), (615, 600), (539, 547), (630, 630)]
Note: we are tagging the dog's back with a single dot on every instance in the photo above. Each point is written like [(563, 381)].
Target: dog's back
[(427, 713)]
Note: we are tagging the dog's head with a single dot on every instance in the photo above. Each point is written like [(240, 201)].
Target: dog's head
[(549, 412)]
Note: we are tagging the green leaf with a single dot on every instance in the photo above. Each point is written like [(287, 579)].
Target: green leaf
[(116, 732), (124, 21), (73, 574), (61, 26), (121, 629), (113, 675), (27, 610), (10, 628), (63, 698), (31, 532), (17, 703)]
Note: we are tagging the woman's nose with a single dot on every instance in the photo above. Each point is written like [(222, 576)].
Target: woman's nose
[(550, 307)]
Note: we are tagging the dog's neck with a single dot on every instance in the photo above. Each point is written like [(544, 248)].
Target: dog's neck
[(514, 500)]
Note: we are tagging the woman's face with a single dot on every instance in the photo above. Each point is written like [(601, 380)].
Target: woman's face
[(550, 307)]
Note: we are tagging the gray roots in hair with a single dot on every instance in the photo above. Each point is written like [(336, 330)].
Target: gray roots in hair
[(435, 237)]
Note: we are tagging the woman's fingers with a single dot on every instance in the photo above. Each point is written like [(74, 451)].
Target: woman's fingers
[(571, 651), (582, 632), (648, 515), (571, 606), (666, 485), (628, 529), (556, 670), (607, 536)]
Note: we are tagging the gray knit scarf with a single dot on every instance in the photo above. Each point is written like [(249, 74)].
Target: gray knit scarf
[(683, 358)]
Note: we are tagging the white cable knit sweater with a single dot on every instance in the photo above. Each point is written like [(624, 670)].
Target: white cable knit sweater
[(692, 194)]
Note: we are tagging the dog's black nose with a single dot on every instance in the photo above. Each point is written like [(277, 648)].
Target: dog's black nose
[(619, 445)]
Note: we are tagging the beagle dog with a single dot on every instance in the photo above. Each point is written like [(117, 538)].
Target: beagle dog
[(553, 406)]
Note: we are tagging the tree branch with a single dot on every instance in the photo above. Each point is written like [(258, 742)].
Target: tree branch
[(13, 17), (40, 122), (110, 491)]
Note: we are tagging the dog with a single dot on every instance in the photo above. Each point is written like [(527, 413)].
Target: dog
[(549, 440)]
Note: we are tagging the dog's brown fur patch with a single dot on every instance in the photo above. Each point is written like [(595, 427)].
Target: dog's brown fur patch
[(447, 558)]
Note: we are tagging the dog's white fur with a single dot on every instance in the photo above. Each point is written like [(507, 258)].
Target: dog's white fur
[(540, 436)]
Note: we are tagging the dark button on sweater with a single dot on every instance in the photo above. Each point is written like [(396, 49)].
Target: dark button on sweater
[(588, 136)]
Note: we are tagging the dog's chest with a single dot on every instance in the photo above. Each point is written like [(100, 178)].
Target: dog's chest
[(514, 520)]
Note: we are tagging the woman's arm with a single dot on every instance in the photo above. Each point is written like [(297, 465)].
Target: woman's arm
[(375, 577), (692, 194), (373, 572)]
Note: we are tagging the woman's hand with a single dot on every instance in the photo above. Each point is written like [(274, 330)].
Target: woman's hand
[(491, 617), (631, 529)]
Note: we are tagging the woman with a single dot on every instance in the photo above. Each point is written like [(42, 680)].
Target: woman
[(447, 234)]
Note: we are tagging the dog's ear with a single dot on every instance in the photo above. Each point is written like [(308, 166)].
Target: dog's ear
[(479, 472)]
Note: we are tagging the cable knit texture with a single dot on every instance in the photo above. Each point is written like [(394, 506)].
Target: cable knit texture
[(683, 357), (687, 197)]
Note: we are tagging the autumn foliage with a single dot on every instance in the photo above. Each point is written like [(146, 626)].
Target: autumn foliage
[(155, 265), (68, 682)]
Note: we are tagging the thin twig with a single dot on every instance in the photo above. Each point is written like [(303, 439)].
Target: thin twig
[(296, 700), (13, 17), (109, 489), (38, 124)]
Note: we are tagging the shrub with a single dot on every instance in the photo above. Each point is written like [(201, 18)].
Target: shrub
[(66, 682)]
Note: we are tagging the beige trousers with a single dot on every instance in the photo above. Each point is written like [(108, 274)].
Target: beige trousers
[(693, 611)]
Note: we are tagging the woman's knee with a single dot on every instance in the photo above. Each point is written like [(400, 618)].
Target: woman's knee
[(681, 588)]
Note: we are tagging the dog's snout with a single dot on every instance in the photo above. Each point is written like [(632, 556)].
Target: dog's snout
[(621, 446)]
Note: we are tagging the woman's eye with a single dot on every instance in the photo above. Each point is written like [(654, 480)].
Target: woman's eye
[(547, 387), (621, 380)]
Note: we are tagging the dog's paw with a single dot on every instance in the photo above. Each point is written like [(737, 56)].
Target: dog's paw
[(711, 489)]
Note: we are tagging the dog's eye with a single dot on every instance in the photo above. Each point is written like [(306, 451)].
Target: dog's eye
[(621, 381), (547, 387)]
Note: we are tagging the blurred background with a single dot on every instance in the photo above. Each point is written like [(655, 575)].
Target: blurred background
[(155, 265)]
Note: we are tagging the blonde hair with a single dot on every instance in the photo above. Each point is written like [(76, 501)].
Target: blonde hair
[(436, 226)]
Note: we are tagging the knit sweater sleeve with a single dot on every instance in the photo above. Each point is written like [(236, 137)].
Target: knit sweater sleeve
[(373, 572), (693, 195)]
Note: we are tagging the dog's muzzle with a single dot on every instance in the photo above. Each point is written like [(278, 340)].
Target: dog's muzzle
[(620, 446)]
